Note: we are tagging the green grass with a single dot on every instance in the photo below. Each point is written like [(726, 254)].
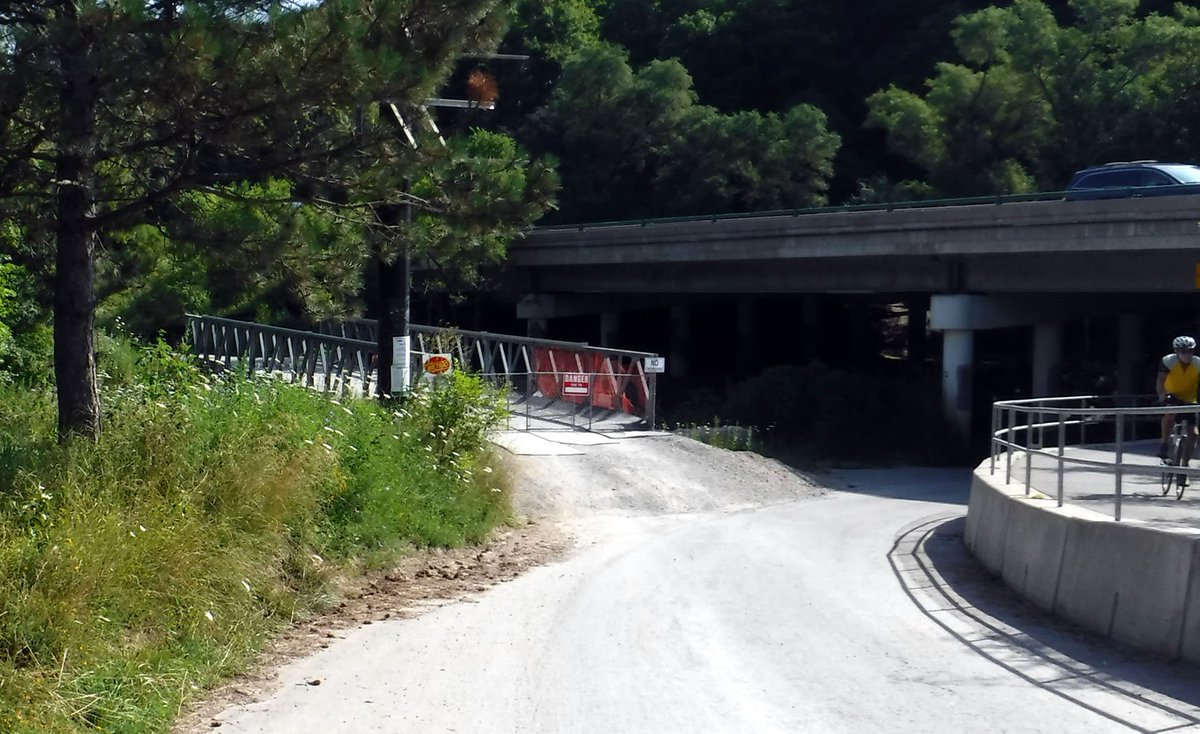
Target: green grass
[(143, 567), (731, 437)]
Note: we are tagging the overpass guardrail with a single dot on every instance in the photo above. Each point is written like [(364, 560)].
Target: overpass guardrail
[(995, 199), (553, 382), (1048, 427)]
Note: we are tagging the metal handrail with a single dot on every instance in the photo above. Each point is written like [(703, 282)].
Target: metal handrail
[(1079, 413), (346, 361), (323, 361)]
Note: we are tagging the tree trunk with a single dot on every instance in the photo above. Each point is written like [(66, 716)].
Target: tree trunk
[(75, 287)]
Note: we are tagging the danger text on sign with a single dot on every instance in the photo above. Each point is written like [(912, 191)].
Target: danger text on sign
[(576, 384)]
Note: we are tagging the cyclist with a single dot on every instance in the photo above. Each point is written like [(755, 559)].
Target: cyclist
[(1178, 381)]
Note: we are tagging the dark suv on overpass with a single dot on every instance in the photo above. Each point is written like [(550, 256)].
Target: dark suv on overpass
[(1136, 178)]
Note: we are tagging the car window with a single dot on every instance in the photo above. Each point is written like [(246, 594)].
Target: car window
[(1184, 174), (1151, 177), (1110, 180)]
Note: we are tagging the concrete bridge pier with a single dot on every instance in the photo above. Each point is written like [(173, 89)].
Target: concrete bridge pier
[(677, 363), (1047, 359), (610, 329), (960, 315), (747, 336), (1129, 354), (958, 357)]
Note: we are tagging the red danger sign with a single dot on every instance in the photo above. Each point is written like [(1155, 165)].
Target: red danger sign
[(576, 384)]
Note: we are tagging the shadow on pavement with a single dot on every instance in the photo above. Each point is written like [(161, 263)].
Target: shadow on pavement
[(955, 591)]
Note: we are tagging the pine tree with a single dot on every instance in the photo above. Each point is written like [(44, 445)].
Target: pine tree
[(110, 110)]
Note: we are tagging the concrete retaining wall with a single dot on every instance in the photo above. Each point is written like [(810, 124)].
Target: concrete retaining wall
[(1133, 583)]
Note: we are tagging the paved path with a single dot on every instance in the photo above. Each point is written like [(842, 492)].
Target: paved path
[(856, 611)]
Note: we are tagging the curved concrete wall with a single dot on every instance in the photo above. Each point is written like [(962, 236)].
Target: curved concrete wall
[(1128, 581)]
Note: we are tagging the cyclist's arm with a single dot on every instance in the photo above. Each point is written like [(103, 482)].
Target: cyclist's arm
[(1161, 386)]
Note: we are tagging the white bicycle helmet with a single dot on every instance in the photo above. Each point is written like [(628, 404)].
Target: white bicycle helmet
[(1183, 342)]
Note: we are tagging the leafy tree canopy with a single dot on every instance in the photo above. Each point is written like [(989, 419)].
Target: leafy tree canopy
[(1035, 99), (636, 143), (118, 115)]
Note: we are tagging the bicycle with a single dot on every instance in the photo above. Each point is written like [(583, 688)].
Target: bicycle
[(1177, 445)]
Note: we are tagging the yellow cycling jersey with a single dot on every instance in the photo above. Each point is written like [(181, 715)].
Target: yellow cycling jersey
[(1182, 379)]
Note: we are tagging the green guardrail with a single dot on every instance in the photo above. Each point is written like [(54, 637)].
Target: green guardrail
[(996, 199)]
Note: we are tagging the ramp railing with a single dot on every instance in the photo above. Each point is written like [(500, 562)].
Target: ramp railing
[(1100, 430)]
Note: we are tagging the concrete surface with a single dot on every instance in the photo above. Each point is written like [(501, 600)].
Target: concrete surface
[(1132, 581), (852, 611)]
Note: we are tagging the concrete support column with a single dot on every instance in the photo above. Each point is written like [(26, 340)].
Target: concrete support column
[(917, 331), (810, 327), (746, 336), (610, 329), (958, 353), (1129, 354), (677, 363), (1047, 359), (537, 328)]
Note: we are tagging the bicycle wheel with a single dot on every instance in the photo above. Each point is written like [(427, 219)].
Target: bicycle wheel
[(1174, 454), (1178, 460), (1168, 482)]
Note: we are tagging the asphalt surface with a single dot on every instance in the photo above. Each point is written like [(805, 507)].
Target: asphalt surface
[(855, 611)]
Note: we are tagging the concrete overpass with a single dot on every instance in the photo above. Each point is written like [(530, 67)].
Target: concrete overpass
[(1008, 262)]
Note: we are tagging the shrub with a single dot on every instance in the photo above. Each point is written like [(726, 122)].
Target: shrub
[(838, 415), (208, 512)]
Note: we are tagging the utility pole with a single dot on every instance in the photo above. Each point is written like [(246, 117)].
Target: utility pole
[(392, 375), (395, 277)]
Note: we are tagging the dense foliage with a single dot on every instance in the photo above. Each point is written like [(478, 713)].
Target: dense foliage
[(136, 569), (814, 414), (116, 117), (665, 106)]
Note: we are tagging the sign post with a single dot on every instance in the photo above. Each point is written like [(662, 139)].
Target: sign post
[(652, 366)]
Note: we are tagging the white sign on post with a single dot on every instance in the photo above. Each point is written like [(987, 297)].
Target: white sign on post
[(400, 368), (576, 384), (654, 364)]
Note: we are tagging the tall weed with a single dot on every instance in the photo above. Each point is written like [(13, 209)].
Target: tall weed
[(209, 511)]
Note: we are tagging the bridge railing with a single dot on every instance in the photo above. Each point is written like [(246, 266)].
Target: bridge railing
[(616, 379), (1026, 430), (548, 381), (330, 363)]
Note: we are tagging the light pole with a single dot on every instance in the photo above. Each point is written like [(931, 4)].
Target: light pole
[(395, 277)]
